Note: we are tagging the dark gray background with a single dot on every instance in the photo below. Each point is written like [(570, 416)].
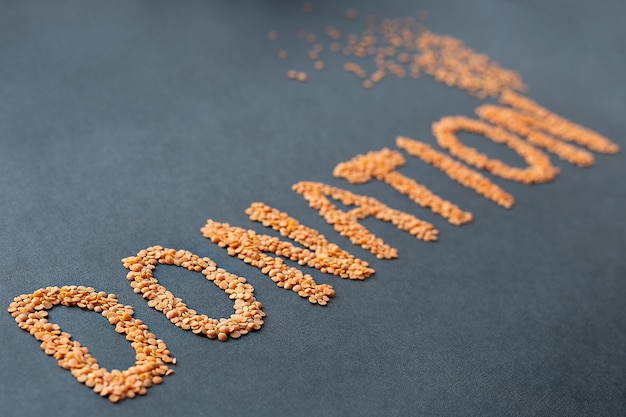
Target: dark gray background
[(126, 123)]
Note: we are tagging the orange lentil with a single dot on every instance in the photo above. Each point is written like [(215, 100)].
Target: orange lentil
[(326, 255), (556, 125), (251, 248), (347, 223), (378, 75), (292, 74), (302, 77), (319, 65), (382, 165), (404, 58), (71, 355), (175, 309), (367, 84), (521, 124), (450, 62), (444, 58), (282, 54), (355, 69), (457, 171), (272, 35), (540, 168)]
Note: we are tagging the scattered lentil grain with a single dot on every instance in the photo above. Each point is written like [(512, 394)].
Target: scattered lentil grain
[(445, 58)]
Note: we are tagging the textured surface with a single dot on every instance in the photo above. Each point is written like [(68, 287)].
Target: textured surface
[(125, 124)]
